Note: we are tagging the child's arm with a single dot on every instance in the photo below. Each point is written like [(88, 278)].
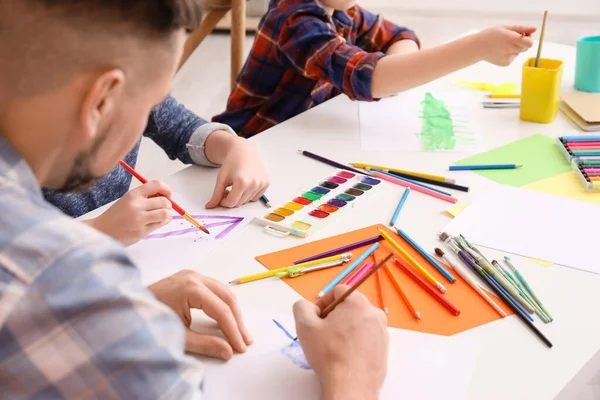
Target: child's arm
[(311, 45), (376, 33), (400, 72), (185, 136)]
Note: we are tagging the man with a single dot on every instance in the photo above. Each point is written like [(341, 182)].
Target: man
[(78, 80)]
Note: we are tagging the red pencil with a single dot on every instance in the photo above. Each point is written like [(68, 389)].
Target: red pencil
[(428, 288), (176, 207)]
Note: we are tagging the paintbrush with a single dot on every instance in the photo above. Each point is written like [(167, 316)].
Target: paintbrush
[(539, 51), (348, 292)]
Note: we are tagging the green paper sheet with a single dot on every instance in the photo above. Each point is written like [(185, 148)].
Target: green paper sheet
[(540, 156)]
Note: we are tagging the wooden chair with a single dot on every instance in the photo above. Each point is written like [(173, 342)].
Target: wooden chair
[(215, 10)]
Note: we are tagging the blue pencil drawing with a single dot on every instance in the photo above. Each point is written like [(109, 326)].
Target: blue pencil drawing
[(293, 351)]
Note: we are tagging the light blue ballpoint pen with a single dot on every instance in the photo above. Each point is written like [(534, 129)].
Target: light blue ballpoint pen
[(349, 269)]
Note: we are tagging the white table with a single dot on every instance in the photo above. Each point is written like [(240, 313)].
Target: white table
[(513, 363)]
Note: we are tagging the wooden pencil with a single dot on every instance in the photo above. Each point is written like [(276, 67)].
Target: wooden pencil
[(176, 207), (348, 292), (396, 284), (380, 290), (330, 162), (428, 287)]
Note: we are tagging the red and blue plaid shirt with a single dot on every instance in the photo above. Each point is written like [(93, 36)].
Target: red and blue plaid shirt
[(301, 57)]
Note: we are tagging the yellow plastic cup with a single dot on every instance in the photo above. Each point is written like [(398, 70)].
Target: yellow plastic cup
[(540, 90)]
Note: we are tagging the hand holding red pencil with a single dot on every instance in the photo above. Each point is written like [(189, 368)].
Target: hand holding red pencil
[(348, 349), (135, 215)]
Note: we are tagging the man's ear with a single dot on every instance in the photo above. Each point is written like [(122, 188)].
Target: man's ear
[(100, 101)]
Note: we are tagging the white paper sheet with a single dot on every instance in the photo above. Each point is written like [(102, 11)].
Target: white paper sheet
[(180, 245), (421, 366), (533, 224), (398, 123)]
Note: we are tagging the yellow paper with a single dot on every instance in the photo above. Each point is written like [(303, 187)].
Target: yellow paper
[(454, 211), (565, 185), (542, 262)]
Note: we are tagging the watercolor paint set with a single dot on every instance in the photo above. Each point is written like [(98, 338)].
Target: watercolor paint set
[(310, 210), (583, 152)]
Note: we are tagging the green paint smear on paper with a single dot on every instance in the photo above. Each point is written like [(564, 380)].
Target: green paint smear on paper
[(540, 156), (439, 130)]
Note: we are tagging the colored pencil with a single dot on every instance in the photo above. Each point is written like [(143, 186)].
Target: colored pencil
[(265, 201), (483, 167), (348, 270), (580, 138), (352, 274), (339, 250), (504, 96), (430, 181), (527, 287), (412, 261), (268, 274), (416, 188), (294, 271), (422, 175), (585, 152), (329, 162), (399, 207), (539, 50), (428, 288), (471, 282), (348, 292), (414, 182), (176, 207), (358, 284), (426, 255), (365, 270), (396, 284), (380, 289)]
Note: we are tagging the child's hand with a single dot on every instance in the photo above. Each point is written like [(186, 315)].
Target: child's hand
[(243, 171), (500, 45), (136, 214)]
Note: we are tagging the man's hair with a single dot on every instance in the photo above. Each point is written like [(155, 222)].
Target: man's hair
[(43, 43), (151, 16)]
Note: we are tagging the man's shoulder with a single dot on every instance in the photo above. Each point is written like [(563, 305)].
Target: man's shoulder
[(37, 238)]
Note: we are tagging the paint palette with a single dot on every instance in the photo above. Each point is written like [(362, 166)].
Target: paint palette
[(319, 205)]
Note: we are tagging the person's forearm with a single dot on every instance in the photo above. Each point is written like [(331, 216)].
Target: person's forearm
[(399, 72), (218, 144), (402, 47)]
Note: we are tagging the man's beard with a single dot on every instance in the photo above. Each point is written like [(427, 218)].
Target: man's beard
[(80, 179)]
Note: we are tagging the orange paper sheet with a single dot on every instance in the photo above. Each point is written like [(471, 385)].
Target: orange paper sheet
[(435, 318)]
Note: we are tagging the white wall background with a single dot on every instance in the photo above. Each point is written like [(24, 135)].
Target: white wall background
[(438, 20)]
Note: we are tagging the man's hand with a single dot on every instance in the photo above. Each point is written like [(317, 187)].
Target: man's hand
[(186, 290), (136, 214), (348, 350), (241, 169)]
